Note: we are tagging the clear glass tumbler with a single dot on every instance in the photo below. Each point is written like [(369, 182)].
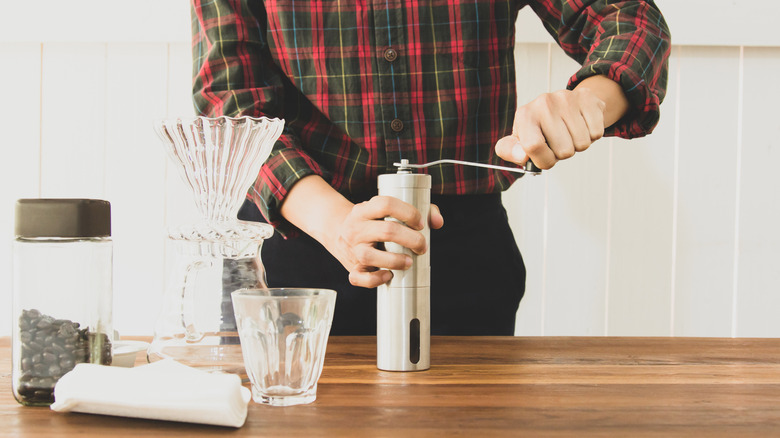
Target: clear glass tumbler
[(284, 334)]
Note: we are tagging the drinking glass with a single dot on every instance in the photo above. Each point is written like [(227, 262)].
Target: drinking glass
[(284, 333)]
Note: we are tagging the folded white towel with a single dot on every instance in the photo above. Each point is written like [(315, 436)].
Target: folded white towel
[(164, 390)]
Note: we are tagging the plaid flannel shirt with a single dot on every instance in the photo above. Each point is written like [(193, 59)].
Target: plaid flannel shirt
[(363, 84)]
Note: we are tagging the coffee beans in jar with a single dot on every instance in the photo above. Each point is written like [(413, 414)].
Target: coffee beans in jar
[(50, 348)]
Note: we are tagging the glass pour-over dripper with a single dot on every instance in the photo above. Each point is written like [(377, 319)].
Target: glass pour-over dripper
[(218, 158)]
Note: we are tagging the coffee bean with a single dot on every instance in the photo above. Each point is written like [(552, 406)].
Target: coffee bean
[(66, 331), (52, 347), (54, 370), (45, 322), (49, 358)]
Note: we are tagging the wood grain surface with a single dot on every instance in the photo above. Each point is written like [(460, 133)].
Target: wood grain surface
[(495, 386)]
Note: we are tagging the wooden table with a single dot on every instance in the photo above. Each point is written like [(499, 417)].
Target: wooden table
[(495, 386)]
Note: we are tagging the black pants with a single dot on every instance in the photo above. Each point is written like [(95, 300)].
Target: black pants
[(477, 272)]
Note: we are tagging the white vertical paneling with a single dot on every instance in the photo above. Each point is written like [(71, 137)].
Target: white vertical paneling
[(689, 26), (96, 21), (135, 179), (19, 168), (73, 120), (758, 280), (641, 219), (180, 207), (576, 233), (524, 201), (706, 191)]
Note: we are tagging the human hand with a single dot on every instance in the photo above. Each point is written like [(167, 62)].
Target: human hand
[(553, 127), (355, 243)]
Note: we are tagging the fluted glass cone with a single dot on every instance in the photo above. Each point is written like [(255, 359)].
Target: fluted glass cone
[(219, 158)]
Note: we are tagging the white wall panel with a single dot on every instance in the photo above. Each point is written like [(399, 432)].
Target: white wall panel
[(180, 208), (135, 179), (576, 233), (758, 280), (95, 21), (707, 191), (641, 220), (525, 200), (694, 22), (73, 131), (19, 171)]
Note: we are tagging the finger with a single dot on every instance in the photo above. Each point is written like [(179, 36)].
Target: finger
[(578, 131), (368, 255), (594, 119), (557, 135), (436, 220), (392, 231), (505, 148), (533, 143), (369, 279), (370, 232), (380, 207)]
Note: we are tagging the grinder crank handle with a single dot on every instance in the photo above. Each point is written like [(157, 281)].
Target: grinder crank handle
[(529, 167)]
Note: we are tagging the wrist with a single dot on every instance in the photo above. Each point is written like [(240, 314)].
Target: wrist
[(610, 92), (317, 209)]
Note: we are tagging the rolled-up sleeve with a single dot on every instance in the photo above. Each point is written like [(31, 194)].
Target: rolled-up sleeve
[(626, 41), (234, 75)]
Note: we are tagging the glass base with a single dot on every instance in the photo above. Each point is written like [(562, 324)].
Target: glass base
[(282, 396), (214, 353)]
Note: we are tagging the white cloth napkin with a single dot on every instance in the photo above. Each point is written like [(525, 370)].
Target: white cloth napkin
[(164, 390)]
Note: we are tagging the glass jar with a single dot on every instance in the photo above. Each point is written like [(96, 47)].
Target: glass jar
[(62, 300)]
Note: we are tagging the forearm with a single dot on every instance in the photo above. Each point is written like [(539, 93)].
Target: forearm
[(627, 41), (316, 208), (611, 93)]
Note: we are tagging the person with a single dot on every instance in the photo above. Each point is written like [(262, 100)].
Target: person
[(362, 85)]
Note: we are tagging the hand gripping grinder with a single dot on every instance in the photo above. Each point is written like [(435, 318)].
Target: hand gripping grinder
[(403, 331)]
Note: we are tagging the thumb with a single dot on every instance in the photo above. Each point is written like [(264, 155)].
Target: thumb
[(435, 219), (509, 149)]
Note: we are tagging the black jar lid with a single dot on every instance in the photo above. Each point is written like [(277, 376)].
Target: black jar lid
[(63, 218)]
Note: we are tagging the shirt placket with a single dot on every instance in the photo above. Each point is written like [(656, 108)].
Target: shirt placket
[(393, 82)]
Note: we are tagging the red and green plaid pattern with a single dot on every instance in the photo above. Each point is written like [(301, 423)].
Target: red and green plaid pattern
[(363, 84)]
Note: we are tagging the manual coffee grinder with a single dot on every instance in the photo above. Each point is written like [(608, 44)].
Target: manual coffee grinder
[(403, 331)]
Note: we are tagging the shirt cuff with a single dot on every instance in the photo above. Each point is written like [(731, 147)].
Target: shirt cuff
[(643, 101), (286, 165)]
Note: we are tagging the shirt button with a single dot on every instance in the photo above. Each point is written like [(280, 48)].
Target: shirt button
[(397, 125), (391, 55)]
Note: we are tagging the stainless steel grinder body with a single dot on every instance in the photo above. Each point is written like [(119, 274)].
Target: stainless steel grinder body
[(404, 304)]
